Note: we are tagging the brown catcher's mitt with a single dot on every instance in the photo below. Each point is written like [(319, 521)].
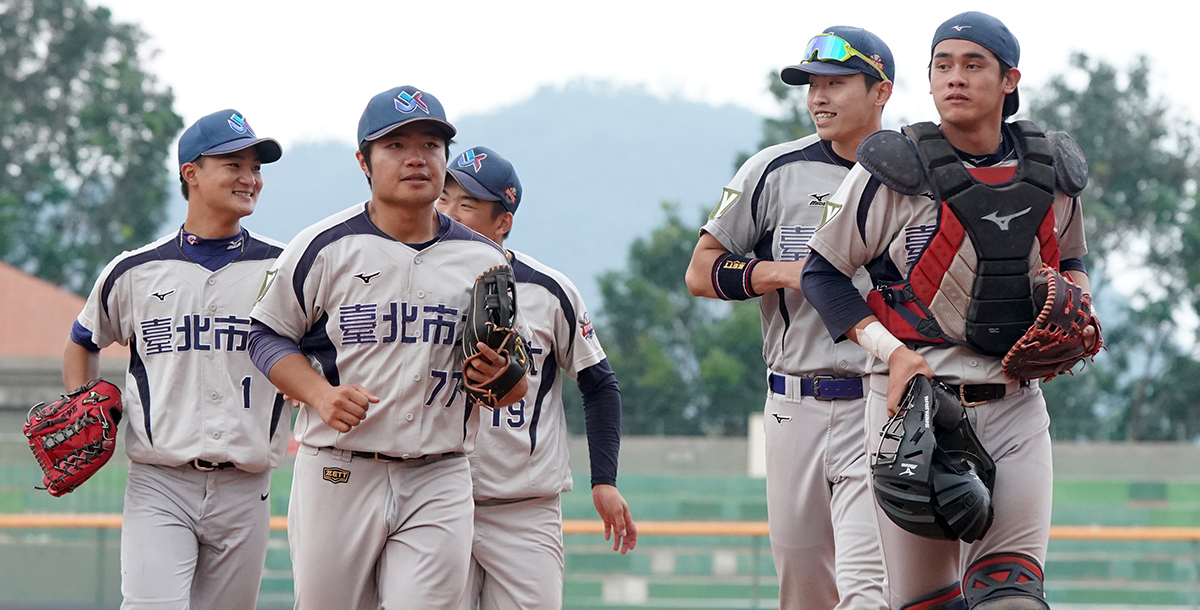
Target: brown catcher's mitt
[(491, 320), (73, 437), (1055, 341)]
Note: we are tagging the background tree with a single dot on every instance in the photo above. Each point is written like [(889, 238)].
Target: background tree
[(84, 136), (1141, 221)]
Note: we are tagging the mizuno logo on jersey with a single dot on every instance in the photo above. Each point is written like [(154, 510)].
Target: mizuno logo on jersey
[(781, 418), (335, 475), (818, 199), (728, 198), (407, 102), (366, 278), (162, 296), (1002, 221)]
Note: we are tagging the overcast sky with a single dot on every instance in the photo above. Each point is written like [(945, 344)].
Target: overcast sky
[(304, 70)]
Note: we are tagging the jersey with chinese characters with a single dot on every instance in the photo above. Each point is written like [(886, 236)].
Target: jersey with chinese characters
[(521, 450), (369, 310), (886, 231), (772, 207), (191, 391)]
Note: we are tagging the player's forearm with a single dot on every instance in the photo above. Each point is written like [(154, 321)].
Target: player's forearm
[(294, 375), (834, 296), (699, 272), (1081, 279), (602, 420), (79, 365)]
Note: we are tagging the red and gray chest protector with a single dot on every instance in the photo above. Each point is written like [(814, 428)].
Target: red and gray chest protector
[(970, 285)]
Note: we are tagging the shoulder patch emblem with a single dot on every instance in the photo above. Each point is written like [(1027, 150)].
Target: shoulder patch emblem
[(335, 475), (728, 198), (586, 328), (268, 279)]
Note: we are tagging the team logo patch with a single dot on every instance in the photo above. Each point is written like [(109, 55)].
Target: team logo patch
[(335, 475), (268, 279), (192, 239), (469, 159), (239, 124), (510, 194), (407, 102), (586, 328), (728, 197)]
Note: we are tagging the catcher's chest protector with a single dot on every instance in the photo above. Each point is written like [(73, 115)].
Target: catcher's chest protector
[(971, 284)]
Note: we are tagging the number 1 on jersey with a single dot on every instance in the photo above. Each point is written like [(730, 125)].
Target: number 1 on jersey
[(246, 393)]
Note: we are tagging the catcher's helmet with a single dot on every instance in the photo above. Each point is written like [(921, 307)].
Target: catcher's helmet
[(931, 475)]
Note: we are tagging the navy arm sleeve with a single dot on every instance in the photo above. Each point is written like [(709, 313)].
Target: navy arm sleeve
[(1072, 264), (268, 346), (83, 337), (833, 295), (602, 420)]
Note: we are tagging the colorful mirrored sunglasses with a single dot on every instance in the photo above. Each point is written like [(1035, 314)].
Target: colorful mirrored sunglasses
[(828, 47)]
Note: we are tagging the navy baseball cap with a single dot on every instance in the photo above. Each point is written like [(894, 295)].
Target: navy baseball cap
[(224, 132), (989, 33), (842, 49), (486, 175), (400, 106)]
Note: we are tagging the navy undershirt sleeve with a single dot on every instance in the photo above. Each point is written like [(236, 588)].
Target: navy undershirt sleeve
[(1072, 264), (602, 420), (83, 337), (833, 295), (267, 347)]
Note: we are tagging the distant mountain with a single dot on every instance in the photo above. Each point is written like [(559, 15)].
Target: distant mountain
[(595, 162)]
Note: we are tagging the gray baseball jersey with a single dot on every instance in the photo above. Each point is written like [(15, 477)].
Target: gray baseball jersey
[(191, 393), (372, 311), (191, 390), (772, 208), (521, 451), (819, 506)]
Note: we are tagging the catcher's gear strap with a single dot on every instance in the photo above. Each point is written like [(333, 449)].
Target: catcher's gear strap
[(731, 277), (950, 598), (995, 577)]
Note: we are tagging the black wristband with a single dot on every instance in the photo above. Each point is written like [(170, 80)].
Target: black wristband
[(731, 277)]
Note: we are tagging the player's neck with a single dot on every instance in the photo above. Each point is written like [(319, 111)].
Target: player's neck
[(410, 225), (211, 226), (981, 138)]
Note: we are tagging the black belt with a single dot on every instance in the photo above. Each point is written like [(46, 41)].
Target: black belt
[(383, 457), (206, 466), (821, 387), (972, 394)]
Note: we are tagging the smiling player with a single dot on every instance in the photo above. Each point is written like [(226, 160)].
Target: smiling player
[(204, 425), (819, 505)]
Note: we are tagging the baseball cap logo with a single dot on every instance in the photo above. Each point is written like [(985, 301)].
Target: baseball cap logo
[(407, 102), (959, 28), (239, 124), (510, 193), (469, 159)]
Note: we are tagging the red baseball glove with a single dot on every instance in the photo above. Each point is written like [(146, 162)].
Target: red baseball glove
[(1055, 342), (73, 437)]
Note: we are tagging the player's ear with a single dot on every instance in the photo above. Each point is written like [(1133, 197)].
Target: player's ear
[(504, 223), (1011, 79), (883, 93), (362, 163), (188, 173)]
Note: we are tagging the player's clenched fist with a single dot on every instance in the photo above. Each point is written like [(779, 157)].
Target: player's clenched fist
[(345, 406)]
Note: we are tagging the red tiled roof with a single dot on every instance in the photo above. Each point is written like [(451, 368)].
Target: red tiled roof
[(36, 317)]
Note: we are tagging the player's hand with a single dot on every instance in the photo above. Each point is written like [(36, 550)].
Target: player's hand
[(1089, 337), (345, 406), (903, 365), (488, 365), (618, 523), (296, 404)]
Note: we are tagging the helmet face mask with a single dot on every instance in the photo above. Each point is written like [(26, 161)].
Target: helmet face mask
[(931, 475)]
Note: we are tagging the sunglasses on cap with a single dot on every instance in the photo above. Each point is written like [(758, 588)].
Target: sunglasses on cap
[(828, 47)]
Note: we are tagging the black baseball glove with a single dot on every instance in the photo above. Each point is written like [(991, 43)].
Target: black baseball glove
[(491, 320)]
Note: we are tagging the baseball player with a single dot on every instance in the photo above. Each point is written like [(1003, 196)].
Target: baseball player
[(520, 464), (913, 235), (819, 506), (204, 425), (359, 323)]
